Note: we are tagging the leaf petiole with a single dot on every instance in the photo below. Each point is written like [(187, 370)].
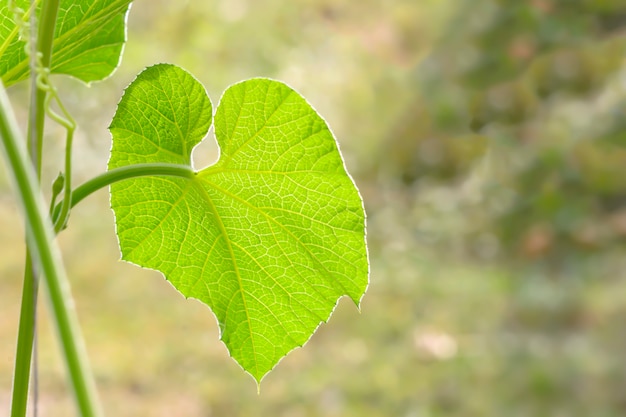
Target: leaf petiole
[(123, 173)]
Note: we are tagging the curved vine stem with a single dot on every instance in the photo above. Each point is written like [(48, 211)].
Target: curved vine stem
[(70, 126)]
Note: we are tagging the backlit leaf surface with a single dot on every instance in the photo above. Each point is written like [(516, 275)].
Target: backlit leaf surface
[(88, 41), (270, 237)]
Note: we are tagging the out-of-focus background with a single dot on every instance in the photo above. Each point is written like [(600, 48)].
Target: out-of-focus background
[(488, 139)]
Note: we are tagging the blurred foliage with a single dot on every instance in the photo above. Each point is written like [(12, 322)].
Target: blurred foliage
[(541, 85), (488, 139)]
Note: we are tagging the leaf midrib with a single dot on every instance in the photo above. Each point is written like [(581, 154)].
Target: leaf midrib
[(224, 233)]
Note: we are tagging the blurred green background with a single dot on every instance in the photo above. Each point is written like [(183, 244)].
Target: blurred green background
[(488, 139)]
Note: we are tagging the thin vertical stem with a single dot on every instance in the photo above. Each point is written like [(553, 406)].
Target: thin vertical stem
[(26, 334), (35, 152), (25, 355)]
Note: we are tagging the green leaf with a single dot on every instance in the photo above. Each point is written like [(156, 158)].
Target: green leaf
[(270, 237), (87, 44)]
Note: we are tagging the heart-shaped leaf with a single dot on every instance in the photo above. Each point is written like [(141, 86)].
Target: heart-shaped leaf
[(270, 237), (87, 43)]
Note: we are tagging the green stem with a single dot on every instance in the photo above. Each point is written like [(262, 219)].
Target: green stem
[(124, 173), (40, 239), (61, 221), (42, 46), (25, 337), (45, 39)]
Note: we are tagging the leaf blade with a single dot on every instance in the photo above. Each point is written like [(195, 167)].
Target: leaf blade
[(270, 237), (88, 41)]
